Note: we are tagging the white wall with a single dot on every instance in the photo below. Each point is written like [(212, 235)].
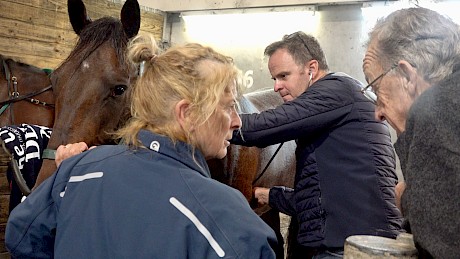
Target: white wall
[(244, 36), (188, 5)]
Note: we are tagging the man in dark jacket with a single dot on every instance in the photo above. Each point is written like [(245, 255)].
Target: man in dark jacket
[(416, 49), (345, 174)]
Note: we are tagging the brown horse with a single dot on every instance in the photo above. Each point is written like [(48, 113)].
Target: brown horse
[(244, 167), (26, 95), (92, 85)]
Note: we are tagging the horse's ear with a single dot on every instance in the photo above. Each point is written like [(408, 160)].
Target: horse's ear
[(131, 18), (77, 15)]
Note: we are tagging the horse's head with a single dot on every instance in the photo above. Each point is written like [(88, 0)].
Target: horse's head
[(92, 85), (25, 93)]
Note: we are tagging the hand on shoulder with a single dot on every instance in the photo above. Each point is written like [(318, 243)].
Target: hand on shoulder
[(69, 150)]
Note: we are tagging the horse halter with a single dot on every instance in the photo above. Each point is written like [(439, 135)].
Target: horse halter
[(13, 92), (10, 78)]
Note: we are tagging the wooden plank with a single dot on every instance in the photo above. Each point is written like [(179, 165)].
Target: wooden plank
[(35, 48), (23, 30), (4, 200), (152, 23), (38, 32), (40, 62), (4, 186), (42, 13), (2, 241), (4, 208), (4, 205)]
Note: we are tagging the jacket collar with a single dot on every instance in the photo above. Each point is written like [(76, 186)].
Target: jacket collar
[(180, 151)]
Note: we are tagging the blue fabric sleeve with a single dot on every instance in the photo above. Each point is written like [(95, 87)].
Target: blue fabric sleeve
[(31, 226)]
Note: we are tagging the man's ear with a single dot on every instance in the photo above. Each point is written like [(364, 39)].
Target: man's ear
[(181, 113), (410, 75), (312, 66)]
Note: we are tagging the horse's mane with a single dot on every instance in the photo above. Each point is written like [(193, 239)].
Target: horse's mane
[(18, 63), (245, 106), (260, 100), (98, 32)]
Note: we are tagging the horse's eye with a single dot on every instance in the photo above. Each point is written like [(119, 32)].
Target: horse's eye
[(119, 90)]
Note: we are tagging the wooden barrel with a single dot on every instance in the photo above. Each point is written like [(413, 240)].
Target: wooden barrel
[(375, 247)]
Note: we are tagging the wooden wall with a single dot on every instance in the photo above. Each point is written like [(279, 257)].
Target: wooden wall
[(4, 201), (38, 32)]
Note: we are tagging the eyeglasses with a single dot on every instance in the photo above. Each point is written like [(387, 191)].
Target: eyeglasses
[(290, 36), (370, 93)]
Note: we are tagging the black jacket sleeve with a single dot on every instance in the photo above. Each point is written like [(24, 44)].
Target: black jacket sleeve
[(325, 104), (282, 199)]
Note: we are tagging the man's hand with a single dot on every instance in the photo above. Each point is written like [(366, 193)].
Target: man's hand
[(399, 190), (261, 194)]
